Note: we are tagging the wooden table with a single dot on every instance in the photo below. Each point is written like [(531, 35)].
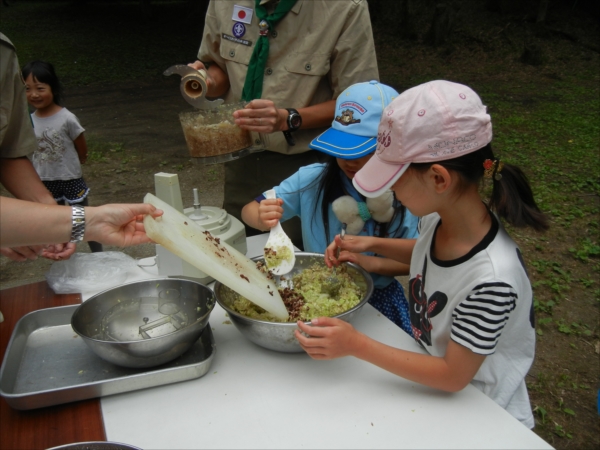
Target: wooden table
[(55, 425)]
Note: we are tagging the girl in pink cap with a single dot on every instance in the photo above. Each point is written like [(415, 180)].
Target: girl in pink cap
[(470, 298)]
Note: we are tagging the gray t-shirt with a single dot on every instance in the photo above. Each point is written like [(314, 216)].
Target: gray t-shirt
[(56, 157)]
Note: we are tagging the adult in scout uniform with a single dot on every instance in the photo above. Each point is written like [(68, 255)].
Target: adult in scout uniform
[(289, 59), (17, 140)]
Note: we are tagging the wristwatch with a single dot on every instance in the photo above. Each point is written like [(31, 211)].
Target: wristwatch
[(77, 223), (294, 121)]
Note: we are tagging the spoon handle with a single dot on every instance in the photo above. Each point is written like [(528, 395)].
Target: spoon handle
[(342, 234)]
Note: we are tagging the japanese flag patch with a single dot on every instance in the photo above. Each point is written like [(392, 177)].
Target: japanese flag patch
[(242, 14)]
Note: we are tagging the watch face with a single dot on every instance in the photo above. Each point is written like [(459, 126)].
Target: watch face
[(295, 120)]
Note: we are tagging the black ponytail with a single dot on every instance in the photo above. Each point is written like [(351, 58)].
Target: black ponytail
[(512, 198)]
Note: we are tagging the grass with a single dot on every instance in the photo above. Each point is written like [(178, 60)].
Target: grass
[(545, 121), (117, 44)]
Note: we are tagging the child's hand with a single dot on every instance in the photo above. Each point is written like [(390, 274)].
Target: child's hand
[(59, 252), (22, 253), (327, 338), (350, 243), (270, 212)]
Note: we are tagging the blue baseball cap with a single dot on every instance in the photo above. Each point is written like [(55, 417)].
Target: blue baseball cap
[(353, 132)]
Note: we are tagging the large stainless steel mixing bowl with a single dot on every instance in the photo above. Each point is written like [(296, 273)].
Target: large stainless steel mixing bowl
[(95, 445), (280, 336), (144, 323)]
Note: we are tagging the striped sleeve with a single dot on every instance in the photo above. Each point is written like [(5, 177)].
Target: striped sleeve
[(478, 321)]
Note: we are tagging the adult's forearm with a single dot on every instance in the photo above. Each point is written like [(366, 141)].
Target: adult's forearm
[(18, 176), (317, 116), (32, 223), (219, 84)]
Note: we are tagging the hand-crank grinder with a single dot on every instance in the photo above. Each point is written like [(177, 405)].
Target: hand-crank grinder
[(210, 132)]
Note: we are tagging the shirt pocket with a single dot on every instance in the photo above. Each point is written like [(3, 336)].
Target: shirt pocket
[(315, 64), (232, 51)]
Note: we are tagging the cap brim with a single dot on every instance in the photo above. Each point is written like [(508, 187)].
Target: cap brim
[(343, 145), (377, 176)]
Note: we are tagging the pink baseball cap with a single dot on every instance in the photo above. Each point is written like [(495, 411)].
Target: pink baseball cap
[(432, 122)]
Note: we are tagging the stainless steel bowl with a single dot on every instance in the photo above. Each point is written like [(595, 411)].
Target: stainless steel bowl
[(95, 445), (144, 323), (280, 336)]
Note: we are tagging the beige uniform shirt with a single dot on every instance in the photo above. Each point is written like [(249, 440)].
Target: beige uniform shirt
[(16, 131), (318, 49)]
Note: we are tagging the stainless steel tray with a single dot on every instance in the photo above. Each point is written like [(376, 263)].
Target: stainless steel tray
[(47, 363)]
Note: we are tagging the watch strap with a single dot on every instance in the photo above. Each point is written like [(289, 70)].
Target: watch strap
[(288, 133), (289, 138), (78, 223)]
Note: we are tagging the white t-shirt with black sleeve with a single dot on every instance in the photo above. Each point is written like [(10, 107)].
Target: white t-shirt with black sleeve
[(482, 301)]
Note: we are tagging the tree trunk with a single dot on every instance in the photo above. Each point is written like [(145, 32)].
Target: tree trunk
[(443, 20), (542, 10), (407, 18)]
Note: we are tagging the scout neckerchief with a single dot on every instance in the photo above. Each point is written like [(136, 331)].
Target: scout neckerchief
[(254, 78)]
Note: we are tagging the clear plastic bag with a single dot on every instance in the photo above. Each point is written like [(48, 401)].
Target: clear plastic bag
[(84, 272)]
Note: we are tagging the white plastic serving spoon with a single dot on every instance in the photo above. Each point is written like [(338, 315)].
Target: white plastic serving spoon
[(279, 250)]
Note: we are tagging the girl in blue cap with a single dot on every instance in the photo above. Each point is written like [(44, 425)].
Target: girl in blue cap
[(323, 196)]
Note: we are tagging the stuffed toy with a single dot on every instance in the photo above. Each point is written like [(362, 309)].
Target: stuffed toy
[(354, 214)]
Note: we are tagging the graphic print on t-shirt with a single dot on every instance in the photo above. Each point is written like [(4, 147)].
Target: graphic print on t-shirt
[(422, 308), (50, 146)]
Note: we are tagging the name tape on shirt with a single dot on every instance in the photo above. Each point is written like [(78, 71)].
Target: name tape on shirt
[(236, 40)]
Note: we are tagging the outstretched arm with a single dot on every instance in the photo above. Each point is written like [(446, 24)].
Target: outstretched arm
[(330, 338), (375, 264), (19, 178), (400, 250), (29, 223)]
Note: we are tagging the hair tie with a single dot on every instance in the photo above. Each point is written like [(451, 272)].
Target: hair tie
[(492, 169)]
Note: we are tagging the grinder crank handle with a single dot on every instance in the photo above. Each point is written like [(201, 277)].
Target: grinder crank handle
[(193, 86)]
